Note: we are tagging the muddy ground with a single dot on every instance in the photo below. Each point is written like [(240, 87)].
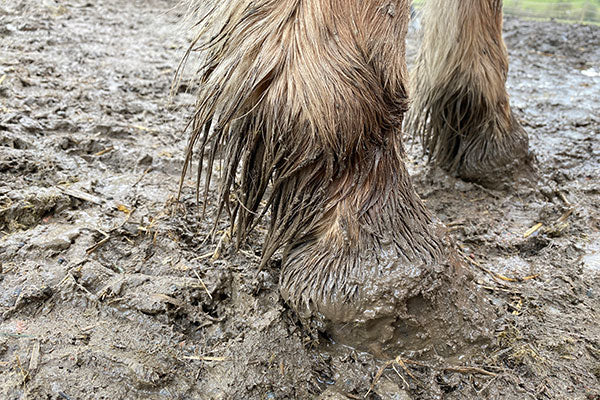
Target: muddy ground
[(111, 289)]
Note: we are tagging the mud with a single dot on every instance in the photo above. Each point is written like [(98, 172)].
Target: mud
[(110, 289)]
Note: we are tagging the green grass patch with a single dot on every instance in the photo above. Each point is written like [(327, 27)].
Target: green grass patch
[(571, 10), (565, 10)]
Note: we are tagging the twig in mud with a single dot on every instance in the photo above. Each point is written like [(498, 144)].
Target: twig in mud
[(501, 289), (115, 300), (470, 370), (562, 196), (103, 152), (401, 362), (205, 358), (141, 177), (204, 256), (24, 374), (472, 261), (81, 195), (202, 283), (555, 226), (496, 276), (532, 230), (89, 294), (225, 239), (566, 215), (377, 376), (93, 248), (107, 235), (412, 362), (406, 385)]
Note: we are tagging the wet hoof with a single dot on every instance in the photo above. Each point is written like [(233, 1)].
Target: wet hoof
[(497, 162), (381, 302), (492, 151)]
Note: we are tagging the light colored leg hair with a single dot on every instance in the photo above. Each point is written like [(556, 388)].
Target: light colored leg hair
[(460, 107), (308, 98)]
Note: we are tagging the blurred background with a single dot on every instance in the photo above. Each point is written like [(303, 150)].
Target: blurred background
[(568, 10), (582, 11)]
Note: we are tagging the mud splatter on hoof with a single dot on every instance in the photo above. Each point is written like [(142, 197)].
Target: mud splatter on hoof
[(391, 305)]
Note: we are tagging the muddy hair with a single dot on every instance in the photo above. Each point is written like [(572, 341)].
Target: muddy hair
[(303, 102), (460, 108), (293, 99)]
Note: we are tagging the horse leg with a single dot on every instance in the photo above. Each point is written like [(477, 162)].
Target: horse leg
[(460, 106), (308, 97)]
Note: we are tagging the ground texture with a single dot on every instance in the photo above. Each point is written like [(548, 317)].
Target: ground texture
[(111, 289)]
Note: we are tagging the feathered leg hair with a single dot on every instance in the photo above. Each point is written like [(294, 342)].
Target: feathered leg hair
[(303, 101), (460, 107)]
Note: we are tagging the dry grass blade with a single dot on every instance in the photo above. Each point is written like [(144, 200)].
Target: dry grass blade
[(34, 360), (532, 230), (78, 194), (378, 376), (107, 235), (566, 215), (470, 370), (203, 285), (402, 363), (495, 275), (103, 152), (24, 373), (205, 358)]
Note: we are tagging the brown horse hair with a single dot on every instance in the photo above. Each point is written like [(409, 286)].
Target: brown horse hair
[(298, 99), (460, 107), (303, 102)]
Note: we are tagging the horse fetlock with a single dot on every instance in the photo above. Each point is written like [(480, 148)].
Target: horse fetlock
[(388, 278)]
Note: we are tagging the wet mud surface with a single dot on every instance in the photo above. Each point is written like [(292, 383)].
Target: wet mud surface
[(111, 289)]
